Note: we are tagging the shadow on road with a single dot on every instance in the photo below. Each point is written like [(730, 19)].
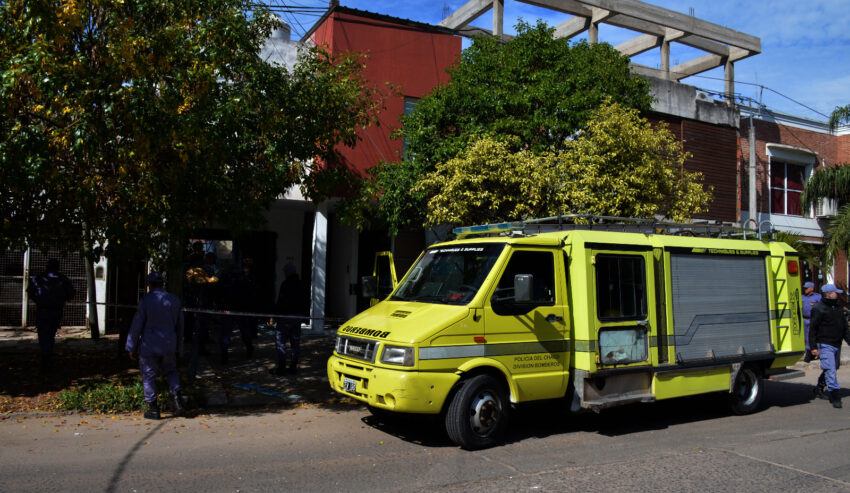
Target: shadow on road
[(119, 471), (548, 418)]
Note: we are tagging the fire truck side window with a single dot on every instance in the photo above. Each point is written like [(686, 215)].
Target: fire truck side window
[(539, 264), (620, 287)]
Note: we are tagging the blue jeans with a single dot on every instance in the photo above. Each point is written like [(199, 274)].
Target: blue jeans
[(288, 330), (830, 356)]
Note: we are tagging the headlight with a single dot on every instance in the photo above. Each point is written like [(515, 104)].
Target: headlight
[(338, 345), (395, 355)]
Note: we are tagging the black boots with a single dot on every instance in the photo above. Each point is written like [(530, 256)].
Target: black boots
[(835, 399), (179, 408), (152, 411), (820, 392)]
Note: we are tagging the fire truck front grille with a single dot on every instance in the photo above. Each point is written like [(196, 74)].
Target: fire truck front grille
[(357, 348)]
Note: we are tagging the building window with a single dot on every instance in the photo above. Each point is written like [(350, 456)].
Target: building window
[(786, 188), (409, 105)]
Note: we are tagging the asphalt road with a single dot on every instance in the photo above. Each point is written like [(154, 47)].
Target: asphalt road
[(795, 443)]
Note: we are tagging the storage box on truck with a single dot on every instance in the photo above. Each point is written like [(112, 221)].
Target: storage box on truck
[(601, 318)]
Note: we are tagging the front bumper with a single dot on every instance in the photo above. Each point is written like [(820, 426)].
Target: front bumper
[(395, 390)]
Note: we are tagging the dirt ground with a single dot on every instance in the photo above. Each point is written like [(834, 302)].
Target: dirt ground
[(241, 383)]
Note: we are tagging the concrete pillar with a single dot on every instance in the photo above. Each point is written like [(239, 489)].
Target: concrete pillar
[(593, 33), (751, 172), (665, 58), (498, 17), (319, 274), (25, 296), (729, 77)]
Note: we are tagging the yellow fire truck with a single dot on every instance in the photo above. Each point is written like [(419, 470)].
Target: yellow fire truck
[(599, 314)]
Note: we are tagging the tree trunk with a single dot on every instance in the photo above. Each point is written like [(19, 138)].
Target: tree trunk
[(91, 290)]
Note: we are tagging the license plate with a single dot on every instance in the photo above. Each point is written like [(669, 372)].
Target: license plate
[(349, 385)]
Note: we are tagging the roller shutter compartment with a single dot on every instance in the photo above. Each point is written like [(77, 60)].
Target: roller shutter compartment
[(720, 306)]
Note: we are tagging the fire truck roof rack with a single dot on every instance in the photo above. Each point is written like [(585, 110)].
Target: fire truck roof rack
[(568, 222)]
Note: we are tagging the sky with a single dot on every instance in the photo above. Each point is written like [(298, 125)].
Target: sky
[(803, 69)]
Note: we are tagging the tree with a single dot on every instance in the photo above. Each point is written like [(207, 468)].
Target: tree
[(840, 115), (532, 93), (832, 183), (617, 165), (136, 121)]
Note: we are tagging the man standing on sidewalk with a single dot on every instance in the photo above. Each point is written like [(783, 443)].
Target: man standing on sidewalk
[(293, 299), (828, 327), (810, 299), (50, 290), (155, 337)]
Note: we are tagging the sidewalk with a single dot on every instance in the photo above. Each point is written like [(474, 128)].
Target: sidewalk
[(241, 383)]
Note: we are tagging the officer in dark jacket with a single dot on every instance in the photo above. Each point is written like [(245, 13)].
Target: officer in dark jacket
[(50, 290), (156, 336), (239, 295), (828, 327), (292, 300)]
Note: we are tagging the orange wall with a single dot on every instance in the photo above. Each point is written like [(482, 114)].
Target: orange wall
[(413, 60)]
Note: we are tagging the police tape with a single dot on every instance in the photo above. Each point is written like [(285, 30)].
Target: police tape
[(235, 313)]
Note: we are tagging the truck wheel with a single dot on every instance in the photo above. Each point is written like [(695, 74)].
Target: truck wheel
[(478, 413), (747, 391)]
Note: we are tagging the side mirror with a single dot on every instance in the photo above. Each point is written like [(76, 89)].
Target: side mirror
[(369, 286), (523, 288)]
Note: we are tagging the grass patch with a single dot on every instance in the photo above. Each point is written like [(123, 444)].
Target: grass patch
[(109, 397)]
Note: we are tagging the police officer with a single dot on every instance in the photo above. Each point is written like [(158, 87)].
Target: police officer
[(239, 296), (292, 300), (155, 337), (810, 299), (50, 290), (828, 328)]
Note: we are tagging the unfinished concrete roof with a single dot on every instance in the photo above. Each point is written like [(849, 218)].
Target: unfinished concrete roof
[(655, 27)]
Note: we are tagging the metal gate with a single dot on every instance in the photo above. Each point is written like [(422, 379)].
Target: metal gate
[(12, 284)]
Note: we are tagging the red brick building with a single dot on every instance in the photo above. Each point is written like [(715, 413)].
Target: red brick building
[(788, 150)]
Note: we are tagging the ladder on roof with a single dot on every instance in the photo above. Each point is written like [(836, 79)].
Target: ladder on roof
[(569, 222)]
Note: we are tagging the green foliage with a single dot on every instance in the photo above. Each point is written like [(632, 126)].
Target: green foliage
[(105, 397), (840, 115), (536, 89), (832, 183), (616, 166), (138, 120), (531, 93)]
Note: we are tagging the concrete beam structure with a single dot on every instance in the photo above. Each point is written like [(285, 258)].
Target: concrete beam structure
[(659, 27), (640, 44)]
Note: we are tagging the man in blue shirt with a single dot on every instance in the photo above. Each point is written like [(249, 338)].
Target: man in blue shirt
[(155, 337), (810, 299)]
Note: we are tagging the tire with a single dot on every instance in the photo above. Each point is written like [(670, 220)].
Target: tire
[(478, 413), (747, 391)]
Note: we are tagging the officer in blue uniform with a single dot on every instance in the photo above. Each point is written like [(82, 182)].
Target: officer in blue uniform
[(810, 299), (50, 290), (155, 338), (239, 295), (826, 332), (293, 299)]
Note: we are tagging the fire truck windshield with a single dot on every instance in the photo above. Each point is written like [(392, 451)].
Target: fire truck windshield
[(449, 275)]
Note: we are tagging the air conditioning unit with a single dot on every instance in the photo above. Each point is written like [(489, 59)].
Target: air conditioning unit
[(826, 208)]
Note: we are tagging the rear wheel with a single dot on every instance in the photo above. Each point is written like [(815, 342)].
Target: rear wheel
[(747, 391), (478, 414)]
